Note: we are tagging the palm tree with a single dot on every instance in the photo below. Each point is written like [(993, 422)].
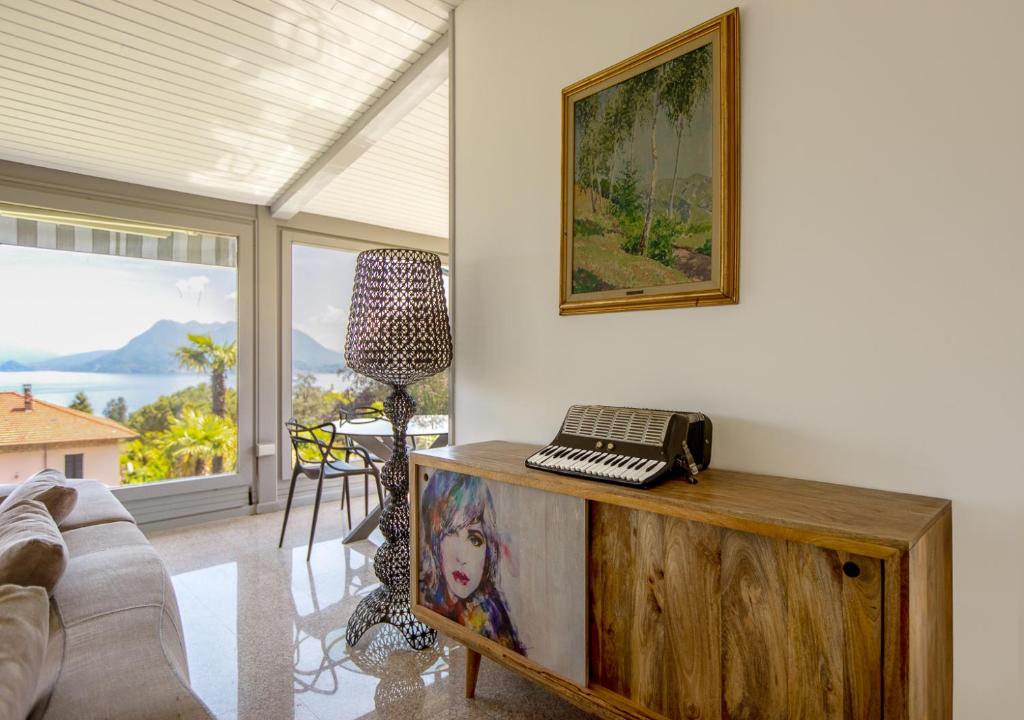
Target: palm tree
[(144, 462), (204, 355), (195, 439)]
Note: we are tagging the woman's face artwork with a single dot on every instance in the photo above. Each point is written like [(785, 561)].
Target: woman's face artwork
[(462, 559)]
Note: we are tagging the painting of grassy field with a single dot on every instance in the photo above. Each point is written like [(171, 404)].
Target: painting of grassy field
[(642, 167)]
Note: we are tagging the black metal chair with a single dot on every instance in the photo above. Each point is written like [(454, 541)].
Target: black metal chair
[(317, 456), (379, 452), (363, 414), (369, 414)]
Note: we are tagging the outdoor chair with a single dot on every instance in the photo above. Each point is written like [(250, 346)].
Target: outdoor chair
[(379, 448), (364, 413), (318, 457)]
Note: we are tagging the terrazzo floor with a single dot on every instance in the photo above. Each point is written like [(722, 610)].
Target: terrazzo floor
[(265, 632)]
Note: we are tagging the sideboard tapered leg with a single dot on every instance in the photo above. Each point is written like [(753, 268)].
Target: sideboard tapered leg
[(472, 670)]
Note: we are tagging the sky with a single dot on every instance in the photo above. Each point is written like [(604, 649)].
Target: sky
[(76, 302), (321, 293), (55, 302)]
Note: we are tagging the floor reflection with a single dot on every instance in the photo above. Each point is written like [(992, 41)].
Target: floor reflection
[(265, 632)]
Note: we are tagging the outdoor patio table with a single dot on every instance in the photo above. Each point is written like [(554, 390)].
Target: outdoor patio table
[(374, 433)]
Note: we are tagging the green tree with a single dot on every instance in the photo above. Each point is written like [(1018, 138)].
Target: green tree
[(619, 122), (628, 208), (312, 404), (116, 410), (81, 403), (591, 155), (431, 395), (143, 461), (153, 417), (204, 355), (153, 457), (660, 246), (649, 88), (584, 113), (687, 80), (196, 440)]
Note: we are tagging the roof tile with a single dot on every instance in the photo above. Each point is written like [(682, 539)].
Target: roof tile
[(49, 424)]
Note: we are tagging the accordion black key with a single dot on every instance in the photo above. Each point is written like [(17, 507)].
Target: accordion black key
[(629, 446)]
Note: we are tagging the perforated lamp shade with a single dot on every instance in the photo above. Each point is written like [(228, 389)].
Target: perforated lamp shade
[(398, 329)]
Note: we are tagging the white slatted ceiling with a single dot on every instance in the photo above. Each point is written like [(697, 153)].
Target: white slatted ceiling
[(402, 181), (225, 98)]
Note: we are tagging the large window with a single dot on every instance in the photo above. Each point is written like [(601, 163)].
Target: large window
[(118, 349), (322, 386)]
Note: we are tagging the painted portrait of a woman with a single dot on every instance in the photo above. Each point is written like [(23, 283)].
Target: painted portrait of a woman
[(461, 554)]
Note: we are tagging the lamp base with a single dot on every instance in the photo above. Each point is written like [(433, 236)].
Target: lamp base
[(384, 605), (390, 602)]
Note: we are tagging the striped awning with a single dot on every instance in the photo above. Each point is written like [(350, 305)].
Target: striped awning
[(156, 244)]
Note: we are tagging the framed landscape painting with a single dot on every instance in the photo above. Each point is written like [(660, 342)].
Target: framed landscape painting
[(650, 177)]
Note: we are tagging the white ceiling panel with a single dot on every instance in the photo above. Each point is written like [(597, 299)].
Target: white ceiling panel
[(225, 98), (402, 181)]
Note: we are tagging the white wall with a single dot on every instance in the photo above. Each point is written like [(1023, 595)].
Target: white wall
[(878, 340), (99, 462), (18, 466)]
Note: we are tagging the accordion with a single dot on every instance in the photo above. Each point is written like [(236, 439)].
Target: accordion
[(629, 446)]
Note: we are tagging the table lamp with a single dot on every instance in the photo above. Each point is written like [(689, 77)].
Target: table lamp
[(398, 333)]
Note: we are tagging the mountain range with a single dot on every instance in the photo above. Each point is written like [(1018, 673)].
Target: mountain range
[(152, 352)]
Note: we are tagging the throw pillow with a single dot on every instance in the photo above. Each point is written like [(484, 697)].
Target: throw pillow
[(24, 631), (48, 487), (32, 551)]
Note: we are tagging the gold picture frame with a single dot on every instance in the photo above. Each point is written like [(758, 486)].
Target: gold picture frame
[(639, 231)]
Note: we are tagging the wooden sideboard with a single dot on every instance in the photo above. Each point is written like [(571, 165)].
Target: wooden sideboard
[(743, 596)]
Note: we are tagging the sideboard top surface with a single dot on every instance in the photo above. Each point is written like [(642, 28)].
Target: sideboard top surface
[(875, 522)]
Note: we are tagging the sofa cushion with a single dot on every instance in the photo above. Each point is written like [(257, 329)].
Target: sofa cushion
[(53, 659), (96, 504), (107, 581), (124, 652), (48, 487), (107, 536), (32, 551), (127, 665), (24, 630)]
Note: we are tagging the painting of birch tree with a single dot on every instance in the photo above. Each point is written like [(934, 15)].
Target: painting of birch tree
[(642, 179)]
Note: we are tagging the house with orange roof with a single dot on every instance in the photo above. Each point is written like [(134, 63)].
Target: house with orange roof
[(35, 434)]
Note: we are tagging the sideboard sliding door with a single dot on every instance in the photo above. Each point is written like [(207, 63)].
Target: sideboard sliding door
[(697, 621)]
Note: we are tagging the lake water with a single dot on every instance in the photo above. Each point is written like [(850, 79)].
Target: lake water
[(137, 390), (60, 387)]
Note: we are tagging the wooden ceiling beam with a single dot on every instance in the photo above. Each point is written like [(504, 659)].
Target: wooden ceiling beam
[(421, 79)]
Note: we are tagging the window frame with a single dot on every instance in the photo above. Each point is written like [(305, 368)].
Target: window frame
[(172, 501)]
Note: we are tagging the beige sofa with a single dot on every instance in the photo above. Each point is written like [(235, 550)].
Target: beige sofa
[(116, 648)]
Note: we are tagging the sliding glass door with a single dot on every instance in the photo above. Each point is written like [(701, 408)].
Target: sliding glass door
[(319, 386)]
